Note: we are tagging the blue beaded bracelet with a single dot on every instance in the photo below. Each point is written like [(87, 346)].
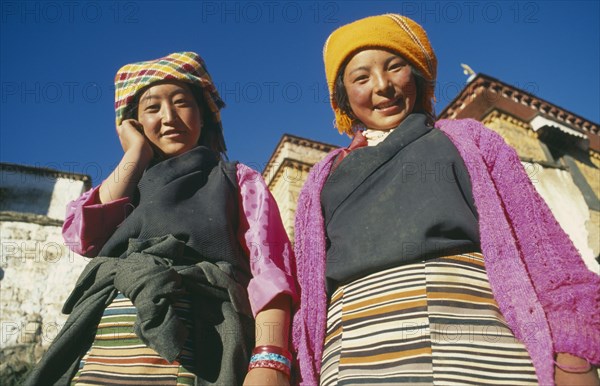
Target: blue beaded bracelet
[(270, 356)]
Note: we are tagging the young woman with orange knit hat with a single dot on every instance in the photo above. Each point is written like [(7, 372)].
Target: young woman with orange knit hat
[(187, 247), (424, 254)]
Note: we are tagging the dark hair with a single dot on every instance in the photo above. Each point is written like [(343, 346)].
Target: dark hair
[(211, 134), (341, 96)]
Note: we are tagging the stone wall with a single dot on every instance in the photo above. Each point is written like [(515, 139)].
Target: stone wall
[(590, 170), (37, 269), (555, 182), (568, 206), (287, 170), (593, 228), (517, 134)]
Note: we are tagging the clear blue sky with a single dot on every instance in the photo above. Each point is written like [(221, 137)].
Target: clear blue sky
[(58, 60)]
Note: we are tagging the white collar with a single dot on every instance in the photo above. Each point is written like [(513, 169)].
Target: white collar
[(375, 137)]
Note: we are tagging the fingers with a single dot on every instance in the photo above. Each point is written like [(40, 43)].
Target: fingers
[(131, 136), (131, 123)]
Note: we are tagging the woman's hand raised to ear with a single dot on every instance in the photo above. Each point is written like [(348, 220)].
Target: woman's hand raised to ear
[(138, 154), (132, 138)]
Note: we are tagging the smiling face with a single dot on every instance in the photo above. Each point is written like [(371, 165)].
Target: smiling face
[(171, 117), (381, 88)]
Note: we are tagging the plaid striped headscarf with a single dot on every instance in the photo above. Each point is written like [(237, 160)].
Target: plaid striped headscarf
[(183, 66)]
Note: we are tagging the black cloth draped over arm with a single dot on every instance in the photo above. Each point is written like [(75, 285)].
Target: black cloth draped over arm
[(151, 278), (180, 239)]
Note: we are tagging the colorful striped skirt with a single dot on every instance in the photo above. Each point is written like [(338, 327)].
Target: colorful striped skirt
[(119, 357), (431, 322)]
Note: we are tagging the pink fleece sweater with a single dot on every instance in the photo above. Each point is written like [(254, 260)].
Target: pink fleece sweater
[(549, 298)]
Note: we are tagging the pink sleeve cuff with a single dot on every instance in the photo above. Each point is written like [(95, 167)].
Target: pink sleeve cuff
[(266, 286)]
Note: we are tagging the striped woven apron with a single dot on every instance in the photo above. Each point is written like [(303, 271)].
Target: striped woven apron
[(119, 357), (431, 322)]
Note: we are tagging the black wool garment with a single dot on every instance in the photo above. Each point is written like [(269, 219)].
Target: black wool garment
[(180, 239), (408, 198), (193, 197)]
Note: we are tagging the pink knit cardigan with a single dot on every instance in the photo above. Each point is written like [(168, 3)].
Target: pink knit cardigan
[(542, 286)]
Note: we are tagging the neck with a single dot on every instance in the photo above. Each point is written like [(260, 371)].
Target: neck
[(375, 137)]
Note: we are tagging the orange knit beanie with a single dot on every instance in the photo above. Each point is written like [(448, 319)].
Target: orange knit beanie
[(390, 31)]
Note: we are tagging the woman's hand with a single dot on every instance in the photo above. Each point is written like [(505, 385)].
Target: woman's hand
[(138, 154), (266, 377), (132, 138), (567, 377)]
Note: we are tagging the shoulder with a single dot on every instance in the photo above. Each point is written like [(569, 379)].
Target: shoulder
[(470, 131), (461, 126), (248, 176), (243, 169), (228, 166), (324, 165)]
